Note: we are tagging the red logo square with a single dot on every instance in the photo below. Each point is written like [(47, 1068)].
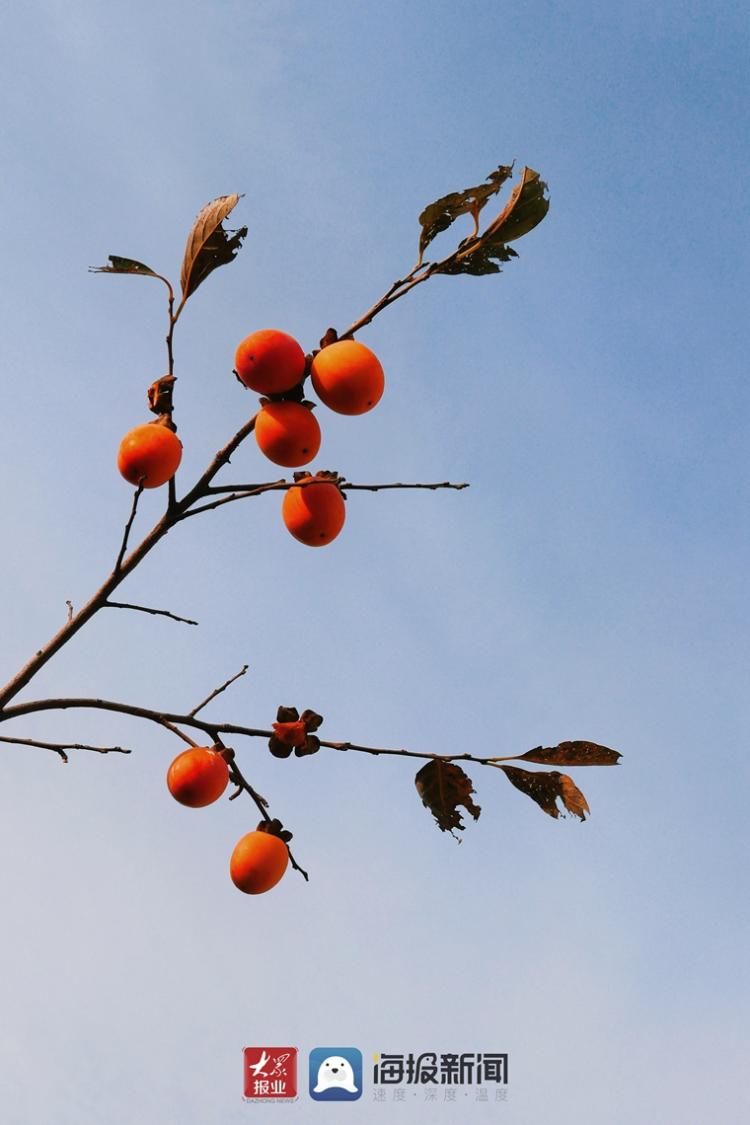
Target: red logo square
[(270, 1072)]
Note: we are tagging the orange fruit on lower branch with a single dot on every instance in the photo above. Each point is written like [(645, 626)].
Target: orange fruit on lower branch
[(258, 862), (269, 362), (198, 777), (288, 433), (347, 377), (314, 513), (149, 455)]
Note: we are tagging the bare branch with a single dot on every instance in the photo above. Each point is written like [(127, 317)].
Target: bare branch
[(148, 609), (123, 567), (243, 491), (398, 289), (252, 490), (283, 485), (172, 721), (347, 486), (128, 526), (218, 690), (61, 747)]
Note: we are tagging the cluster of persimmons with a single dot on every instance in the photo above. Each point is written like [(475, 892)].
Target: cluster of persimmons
[(197, 777), (347, 378)]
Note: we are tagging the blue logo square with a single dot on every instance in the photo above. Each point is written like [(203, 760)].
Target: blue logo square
[(335, 1074)]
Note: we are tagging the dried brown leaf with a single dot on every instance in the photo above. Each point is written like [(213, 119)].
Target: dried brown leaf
[(209, 245), (160, 394), (525, 209), (438, 216), (443, 786), (573, 798), (124, 265), (572, 754), (547, 788)]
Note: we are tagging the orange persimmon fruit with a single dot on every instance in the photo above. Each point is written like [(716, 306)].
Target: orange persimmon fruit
[(314, 513), (149, 455), (288, 433), (269, 361), (258, 862), (347, 377), (198, 777)]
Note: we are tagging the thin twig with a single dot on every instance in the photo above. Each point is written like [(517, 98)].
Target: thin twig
[(218, 690), (61, 747), (282, 485), (253, 491), (398, 289), (170, 726), (348, 487), (148, 609), (128, 526), (242, 492)]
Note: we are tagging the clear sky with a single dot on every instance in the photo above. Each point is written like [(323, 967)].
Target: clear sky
[(591, 584)]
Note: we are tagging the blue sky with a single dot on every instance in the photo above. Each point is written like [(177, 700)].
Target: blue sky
[(590, 584)]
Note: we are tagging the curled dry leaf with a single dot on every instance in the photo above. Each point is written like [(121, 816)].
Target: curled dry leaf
[(547, 788), (443, 786), (572, 754), (160, 394), (525, 209), (438, 216), (209, 245), (124, 265)]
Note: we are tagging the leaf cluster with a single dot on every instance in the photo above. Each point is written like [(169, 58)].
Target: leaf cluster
[(444, 786), (483, 253)]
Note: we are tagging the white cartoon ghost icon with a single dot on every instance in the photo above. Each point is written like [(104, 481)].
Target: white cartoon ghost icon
[(335, 1072)]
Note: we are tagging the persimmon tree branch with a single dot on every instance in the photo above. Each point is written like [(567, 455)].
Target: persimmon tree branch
[(441, 783), (128, 527), (219, 690), (125, 564), (216, 729), (60, 747), (244, 492), (148, 609), (397, 290)]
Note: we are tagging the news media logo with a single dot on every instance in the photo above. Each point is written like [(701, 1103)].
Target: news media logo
[(335, 1074), (270, 1073)]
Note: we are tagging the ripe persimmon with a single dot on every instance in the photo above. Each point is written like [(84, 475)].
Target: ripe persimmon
[(269, 362), (198, 777), (347, 377), (314, 513), (258, 862), (288, 433), (149, 455)]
